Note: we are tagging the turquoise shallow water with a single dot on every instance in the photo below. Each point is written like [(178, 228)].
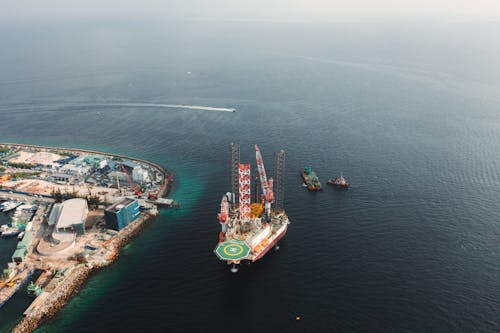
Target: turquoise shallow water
[(131, 258), (405, 111)]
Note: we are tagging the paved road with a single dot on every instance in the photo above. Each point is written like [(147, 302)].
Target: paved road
[(11, 195)]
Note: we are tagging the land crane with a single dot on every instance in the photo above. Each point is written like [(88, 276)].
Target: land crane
[(136, 189), (155, 195)]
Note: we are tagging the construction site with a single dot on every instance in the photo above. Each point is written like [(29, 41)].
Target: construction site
[(71, 211), (47, 171)]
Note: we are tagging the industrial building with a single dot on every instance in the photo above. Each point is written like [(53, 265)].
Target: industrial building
[(140, 175), (62, 178), (22, 247), (75, 170), (121, 213), (96, 161), (72, 215), (54, 214)]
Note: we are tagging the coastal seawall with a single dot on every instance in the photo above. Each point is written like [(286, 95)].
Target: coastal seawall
[(77, 277), (57, 300)]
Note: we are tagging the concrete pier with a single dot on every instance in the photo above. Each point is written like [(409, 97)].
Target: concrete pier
[(6, 291)]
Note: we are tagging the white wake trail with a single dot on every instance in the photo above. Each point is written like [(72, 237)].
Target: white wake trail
[(174, 106)]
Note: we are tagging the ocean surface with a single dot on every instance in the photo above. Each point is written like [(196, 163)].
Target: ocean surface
[(407, 112)]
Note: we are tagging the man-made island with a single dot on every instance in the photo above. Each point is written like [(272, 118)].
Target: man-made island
[(71, 211)]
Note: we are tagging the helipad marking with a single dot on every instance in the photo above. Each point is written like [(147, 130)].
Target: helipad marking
[(233, 250)]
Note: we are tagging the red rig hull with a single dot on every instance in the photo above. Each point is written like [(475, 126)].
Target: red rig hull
[(270, 245)]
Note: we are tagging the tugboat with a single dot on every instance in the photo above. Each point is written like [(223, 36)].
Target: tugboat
[(339, 182)]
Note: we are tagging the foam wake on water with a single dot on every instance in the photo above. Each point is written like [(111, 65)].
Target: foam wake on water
[(170, 106), (33, 108)]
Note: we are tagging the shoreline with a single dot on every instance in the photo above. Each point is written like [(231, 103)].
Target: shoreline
[(79, 274)]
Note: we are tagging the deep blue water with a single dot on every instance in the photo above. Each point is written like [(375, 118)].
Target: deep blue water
[(407, 112)]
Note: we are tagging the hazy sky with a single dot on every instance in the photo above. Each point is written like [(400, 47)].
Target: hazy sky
[(288, 10)]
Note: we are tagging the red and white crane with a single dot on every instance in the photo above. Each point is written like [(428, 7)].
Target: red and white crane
[(267, 185), (222, 217), (137, 188), (224, 210), (155, 195)]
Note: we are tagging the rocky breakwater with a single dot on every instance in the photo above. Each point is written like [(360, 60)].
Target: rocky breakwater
[(72, 282), (58, 298)]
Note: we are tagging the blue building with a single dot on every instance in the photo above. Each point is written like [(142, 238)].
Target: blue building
[(121, 213)]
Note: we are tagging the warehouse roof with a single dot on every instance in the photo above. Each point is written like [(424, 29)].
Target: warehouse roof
[(54, 214), (117, 206), (72, 211)]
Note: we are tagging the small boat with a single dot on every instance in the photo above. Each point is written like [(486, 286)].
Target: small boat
[(6, 231), (21, 235), (9, 233), (310, 179), (33, 290), (339, 181), (10, 205)]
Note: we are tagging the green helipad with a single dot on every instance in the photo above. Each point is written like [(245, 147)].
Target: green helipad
[(232, 250)]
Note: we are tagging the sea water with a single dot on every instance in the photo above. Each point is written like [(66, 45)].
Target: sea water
[(407, 112)]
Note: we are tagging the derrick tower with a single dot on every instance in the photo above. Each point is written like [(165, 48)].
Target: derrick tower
[(244, 191), (235, 162), (279, 181)]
